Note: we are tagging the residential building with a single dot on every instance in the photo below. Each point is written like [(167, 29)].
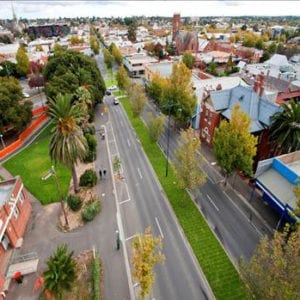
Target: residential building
[(15, 210), (277, 177)]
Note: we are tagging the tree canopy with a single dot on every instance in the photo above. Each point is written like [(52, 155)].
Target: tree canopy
[(13, 112), (188, 59), (22, 61), (67, 70), (234, 146)]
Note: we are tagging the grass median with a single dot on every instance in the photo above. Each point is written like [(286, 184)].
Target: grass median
[(32, 163), (221, 274)]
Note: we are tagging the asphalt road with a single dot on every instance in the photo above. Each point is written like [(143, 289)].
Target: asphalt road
[(238, 230), (142, 204)]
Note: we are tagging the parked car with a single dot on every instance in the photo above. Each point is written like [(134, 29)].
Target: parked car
[(112, 88), (26, 95)]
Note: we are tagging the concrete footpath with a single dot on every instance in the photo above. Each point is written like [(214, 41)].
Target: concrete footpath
[(42, 235)]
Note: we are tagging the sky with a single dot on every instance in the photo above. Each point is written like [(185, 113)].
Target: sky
[(106, 8)]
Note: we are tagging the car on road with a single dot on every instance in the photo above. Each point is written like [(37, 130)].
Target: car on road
[(116, 101), (25, 95), (112, 88), (108, 93)]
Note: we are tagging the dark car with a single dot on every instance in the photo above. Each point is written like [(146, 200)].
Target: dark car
[(108, 93)]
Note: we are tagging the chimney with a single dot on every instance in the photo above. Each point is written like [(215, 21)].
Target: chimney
[(256, 85)]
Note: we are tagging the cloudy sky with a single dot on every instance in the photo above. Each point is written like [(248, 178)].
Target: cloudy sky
[(105, 8)]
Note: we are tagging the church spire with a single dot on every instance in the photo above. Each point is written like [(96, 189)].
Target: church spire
[(13, 13)]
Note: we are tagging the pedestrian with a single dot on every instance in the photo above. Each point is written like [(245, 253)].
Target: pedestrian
[(104, 174), (100, 174)]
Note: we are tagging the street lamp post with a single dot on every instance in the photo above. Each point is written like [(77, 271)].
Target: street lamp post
[(168, 141), (2, 141)]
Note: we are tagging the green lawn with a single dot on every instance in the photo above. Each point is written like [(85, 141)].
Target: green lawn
[(218, 268), (32, 163)]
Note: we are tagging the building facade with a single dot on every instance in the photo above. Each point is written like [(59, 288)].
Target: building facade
[(15, 210)]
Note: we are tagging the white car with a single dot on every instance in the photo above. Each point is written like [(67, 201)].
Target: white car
[(26, 95), (112, 88), (116, 101)]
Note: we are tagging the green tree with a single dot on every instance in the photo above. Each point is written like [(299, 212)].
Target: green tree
[(272, 48), (273, 271), (285, 127), (188, 161), (67, 143), (108, 59), (188, 59), (13, 112), (155, 126), (60, 275), (157, 87), (8, 68), (212, 68), (66, 71), (22, 61), (132, 32), (117, 164), (122, 78), (234, 146), (137, 98), (146, 253)]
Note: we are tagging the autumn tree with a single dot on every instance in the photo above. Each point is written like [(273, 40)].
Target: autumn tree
[(234, 146), (188, 160), (146, 253), (57, 48), (155, 126), (273, 271), (116, 53), (94, 44), (22, 61), (74, 40), (157, 87), (137, 98), (179, 99), (122, 78), (188, 59)]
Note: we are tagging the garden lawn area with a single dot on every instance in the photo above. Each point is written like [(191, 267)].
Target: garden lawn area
[(32, 163), (220, 272)]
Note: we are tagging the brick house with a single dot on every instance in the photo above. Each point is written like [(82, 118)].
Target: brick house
[(15, 210), (217, 105)]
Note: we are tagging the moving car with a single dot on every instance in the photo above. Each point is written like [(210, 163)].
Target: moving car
[(116, 101), (26, 95), (108, 93), (112, 88)]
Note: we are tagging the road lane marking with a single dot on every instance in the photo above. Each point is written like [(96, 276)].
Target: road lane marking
[(212, 202), (161, 233), (130, 238), (128, 142), (139, 171), (124, 201), (121, 123), (236, 206)]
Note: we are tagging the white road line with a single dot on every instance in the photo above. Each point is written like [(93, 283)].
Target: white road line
[(258, 231), (124, 201), (212, 202), (130, 238), (139, 171), (161, 233), (128, 142)]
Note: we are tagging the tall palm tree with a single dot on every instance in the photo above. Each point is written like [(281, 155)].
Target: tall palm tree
[(67, 143), (285, 127)]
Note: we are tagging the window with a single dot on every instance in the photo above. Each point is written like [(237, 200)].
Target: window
[(21, 198), (16, 212)]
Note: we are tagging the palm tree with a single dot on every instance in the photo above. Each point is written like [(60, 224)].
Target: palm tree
[(285, 127), (67, 143), (60, 275)]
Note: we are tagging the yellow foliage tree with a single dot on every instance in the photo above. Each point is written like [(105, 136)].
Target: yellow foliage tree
[(146, 253)]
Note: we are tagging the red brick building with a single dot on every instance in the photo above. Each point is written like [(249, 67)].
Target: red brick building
[(15, 210), (217, 105)]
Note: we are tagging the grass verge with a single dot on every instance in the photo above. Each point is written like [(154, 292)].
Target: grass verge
[(221, 274), (32, 163)]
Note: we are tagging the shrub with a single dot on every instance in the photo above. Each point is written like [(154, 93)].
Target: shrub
[(90, 156), (88, 178), (90, 210), (96, 277), (89, 129), (91, 141), (74, 202)]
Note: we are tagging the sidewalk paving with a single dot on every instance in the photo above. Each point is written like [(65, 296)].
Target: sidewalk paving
[(42, 235)]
